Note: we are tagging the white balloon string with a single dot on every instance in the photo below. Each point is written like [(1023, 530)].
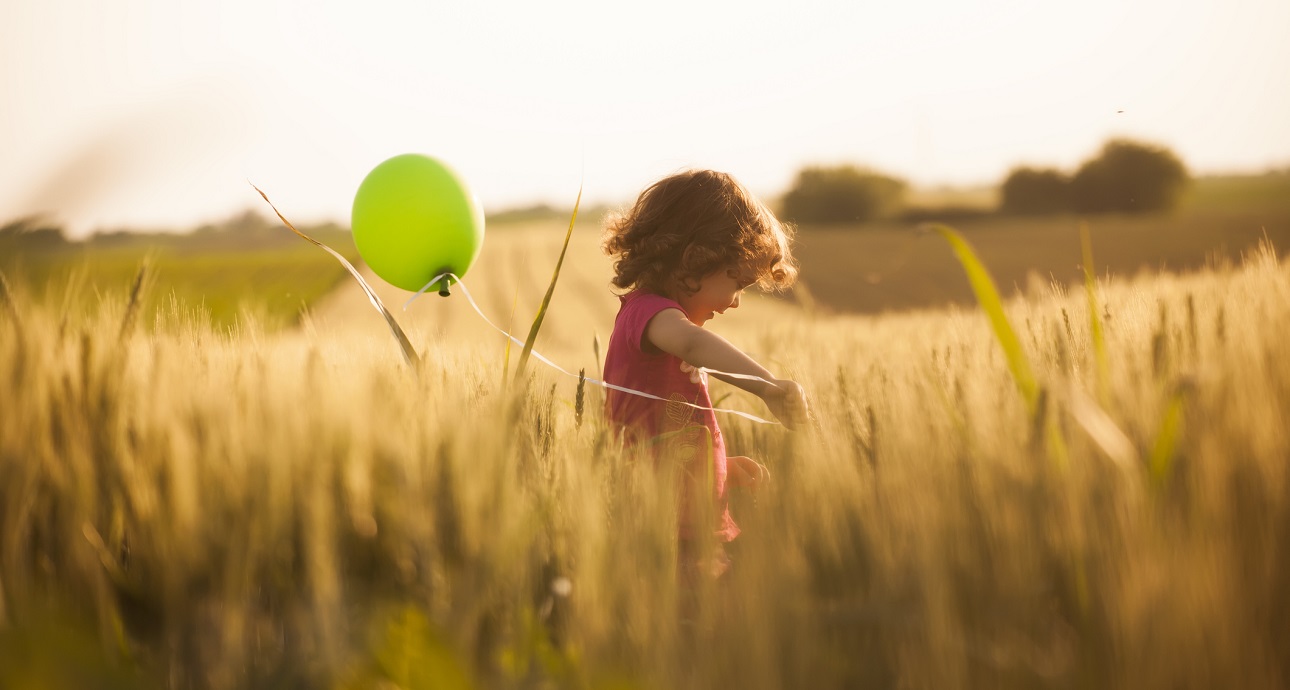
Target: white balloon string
[(541, 358), (405, 346), (425, 287)]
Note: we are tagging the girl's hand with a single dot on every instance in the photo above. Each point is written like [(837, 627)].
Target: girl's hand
[(787, 401), (745, 473), (697, 374)]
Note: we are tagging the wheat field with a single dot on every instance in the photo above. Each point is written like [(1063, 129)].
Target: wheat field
[(185, 507)]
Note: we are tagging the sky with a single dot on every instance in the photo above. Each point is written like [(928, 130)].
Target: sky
[(155, 114)]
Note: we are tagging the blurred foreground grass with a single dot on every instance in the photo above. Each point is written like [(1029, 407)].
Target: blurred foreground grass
[(185, 506)]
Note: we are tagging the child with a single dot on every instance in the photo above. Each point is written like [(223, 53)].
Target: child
[(684, 253)]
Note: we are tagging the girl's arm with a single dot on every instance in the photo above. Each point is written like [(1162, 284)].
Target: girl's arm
[(671, 332)]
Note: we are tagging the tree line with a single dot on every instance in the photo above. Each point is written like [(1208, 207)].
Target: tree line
[(1123, 177)]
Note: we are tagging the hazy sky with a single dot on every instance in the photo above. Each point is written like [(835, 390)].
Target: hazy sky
[(155, 113)]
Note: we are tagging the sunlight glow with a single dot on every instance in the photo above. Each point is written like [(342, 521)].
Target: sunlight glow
[(153, 113)]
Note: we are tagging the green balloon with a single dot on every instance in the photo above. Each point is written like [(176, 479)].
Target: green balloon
[(414, 219)]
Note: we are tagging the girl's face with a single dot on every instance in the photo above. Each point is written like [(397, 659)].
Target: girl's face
[(718, 291)]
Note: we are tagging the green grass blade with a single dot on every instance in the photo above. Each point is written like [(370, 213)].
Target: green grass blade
[(10, 307), (1095, 320), (506, 354), (550, 290), (1160, 463), (988, 296)]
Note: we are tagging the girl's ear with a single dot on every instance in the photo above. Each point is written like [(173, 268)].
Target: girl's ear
[(685, 286)]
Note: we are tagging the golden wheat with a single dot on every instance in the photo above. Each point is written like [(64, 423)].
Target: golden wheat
[(249, 509)]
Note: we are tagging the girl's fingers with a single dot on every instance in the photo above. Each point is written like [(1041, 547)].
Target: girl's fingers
[(747, 473), (696, 375)]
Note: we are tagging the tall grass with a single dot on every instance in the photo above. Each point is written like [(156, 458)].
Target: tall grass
[(550, 290), (183, 507)]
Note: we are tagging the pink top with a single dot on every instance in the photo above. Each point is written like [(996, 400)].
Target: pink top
[(632, 362)]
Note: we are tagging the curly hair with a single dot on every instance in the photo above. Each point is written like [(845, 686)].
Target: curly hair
[(691, 224)]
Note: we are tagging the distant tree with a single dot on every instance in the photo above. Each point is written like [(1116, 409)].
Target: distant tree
[(842, 194), (32, 233), (249, 220), (1031, 191), (1129, 177)]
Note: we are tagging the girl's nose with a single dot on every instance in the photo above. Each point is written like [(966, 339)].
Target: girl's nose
[(736, 302)]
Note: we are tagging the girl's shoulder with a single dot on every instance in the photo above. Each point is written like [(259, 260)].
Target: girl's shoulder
[(634, 315), (639, 304), (641, 298)]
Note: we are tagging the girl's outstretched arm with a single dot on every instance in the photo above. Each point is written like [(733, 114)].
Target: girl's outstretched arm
[(671, 332)]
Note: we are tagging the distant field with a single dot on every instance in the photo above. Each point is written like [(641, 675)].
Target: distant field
[(890, 267), (264, 272)]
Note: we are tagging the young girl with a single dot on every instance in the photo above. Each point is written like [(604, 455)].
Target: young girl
[(684, 254)]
